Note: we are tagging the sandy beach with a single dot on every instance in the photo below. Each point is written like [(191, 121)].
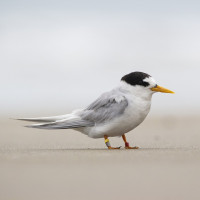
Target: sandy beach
[(38, 164)]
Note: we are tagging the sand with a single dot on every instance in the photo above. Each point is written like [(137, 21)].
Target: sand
[(38, 164)]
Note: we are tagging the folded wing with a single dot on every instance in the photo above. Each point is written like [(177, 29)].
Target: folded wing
[(107, 107)]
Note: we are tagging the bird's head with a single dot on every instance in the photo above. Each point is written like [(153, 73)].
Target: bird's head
[(143, 83)]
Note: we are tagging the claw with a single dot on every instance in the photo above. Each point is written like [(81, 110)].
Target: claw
[(114, 147), (108, 143), (127, 144), (131, 147)]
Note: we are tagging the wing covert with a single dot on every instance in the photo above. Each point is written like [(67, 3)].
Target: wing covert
[(105, 108)]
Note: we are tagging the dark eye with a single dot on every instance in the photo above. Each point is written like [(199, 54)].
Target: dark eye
[(144, 83), (155, 86)]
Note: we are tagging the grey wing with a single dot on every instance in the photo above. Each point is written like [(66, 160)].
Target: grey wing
[(107, 107)]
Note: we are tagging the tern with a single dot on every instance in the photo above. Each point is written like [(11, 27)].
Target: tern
[(114, 113)]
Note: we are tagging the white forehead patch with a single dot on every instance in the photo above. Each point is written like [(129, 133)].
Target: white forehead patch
[(151, 81)]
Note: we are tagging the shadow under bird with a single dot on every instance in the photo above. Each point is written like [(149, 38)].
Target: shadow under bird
[(114, 113)]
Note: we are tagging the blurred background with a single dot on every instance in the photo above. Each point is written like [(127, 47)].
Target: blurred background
[(60, 55), (57, 56)]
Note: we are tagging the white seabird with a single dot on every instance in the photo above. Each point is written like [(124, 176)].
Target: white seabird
[(114, 113)]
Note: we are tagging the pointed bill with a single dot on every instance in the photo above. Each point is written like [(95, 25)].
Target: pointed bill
[(161, 89)]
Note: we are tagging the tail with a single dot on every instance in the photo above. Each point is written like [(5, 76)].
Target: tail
[(63, 124), (47, 119), (68, 121)]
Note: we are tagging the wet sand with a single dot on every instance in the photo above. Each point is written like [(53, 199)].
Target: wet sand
[(38, 164)]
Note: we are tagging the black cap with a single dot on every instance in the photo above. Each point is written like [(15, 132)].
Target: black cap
[(136, 78)]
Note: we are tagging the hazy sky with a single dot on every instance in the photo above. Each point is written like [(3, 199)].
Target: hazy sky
[(60, 55)]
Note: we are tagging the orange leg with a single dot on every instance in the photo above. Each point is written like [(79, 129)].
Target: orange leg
[(108, 143), (127, 144)]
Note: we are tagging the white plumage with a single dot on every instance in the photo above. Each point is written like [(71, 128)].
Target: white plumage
[(114, 113)]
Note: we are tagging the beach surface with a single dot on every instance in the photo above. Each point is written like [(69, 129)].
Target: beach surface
[(39, 164)]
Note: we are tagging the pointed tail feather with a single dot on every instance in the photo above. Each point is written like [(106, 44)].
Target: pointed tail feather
[(47, 119), (63, 124)]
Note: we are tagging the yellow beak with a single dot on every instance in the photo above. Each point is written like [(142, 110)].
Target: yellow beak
[(161, 89)]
